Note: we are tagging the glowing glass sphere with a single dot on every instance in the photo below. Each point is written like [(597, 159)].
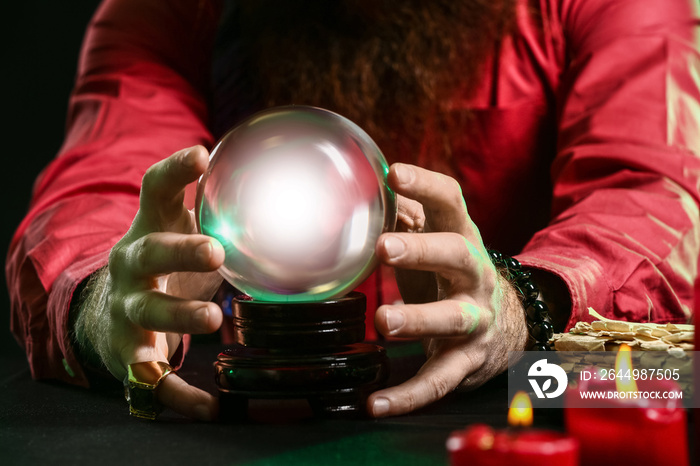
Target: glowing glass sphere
[(297, 196)]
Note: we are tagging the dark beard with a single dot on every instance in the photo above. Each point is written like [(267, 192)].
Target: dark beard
[(387, 65)]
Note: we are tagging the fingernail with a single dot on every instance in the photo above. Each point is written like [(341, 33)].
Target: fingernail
[(217, 249), (394, 320), (403, 174), (190, 159), (394, 247), (380, 407), (204, 252), (201, 318)]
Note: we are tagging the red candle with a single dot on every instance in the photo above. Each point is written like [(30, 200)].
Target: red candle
[(481, 445), (629, 429)]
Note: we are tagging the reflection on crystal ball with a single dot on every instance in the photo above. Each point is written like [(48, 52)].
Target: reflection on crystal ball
[(298, 197)]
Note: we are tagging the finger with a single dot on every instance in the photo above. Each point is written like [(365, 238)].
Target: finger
[(163, 185), (440, 195), (410, 215), (447, 318), (438, 377), (190, 401), (449, 254), (160, 312), (164, 252)]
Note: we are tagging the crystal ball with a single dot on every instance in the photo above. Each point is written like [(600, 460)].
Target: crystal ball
[(297, 196)]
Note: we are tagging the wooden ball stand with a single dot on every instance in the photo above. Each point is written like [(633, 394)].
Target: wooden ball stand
[(311, 351)]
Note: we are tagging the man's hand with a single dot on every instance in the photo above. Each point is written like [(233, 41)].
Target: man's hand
[(468, 316), (156, 287)]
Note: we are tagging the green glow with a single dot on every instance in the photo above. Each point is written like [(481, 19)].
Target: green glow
[(404, 447), (68, 368), (470, 313), (473, 250)]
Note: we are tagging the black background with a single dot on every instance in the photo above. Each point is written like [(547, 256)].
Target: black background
[(40, 48)]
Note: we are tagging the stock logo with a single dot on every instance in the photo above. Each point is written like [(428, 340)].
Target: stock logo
[(543, 370)]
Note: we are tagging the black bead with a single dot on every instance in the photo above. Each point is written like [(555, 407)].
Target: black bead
[(512, 263), (542, 331), (537, 311), (529, 291), (539, 323), (522, 276)]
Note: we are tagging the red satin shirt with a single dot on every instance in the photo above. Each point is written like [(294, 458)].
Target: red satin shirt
[(582, 156)]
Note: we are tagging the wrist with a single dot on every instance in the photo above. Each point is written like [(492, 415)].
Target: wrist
[(516, 323), (538, 321), (82, 320)]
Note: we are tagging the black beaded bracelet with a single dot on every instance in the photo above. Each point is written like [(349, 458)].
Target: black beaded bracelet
[(539, 324)]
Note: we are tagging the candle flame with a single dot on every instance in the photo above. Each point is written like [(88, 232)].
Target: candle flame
[(520, 412), (624, 382)]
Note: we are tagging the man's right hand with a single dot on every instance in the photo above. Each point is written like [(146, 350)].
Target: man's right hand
[(157, 286)]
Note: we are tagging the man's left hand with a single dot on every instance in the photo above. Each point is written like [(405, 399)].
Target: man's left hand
[(467, 315)]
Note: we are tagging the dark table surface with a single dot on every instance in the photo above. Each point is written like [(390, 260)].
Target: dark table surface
[(59, 424)]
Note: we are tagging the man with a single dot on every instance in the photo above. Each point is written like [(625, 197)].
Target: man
[(568, 129)]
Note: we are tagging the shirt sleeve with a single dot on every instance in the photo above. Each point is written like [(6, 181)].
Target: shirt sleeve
[(139, 96), (625, 232)]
